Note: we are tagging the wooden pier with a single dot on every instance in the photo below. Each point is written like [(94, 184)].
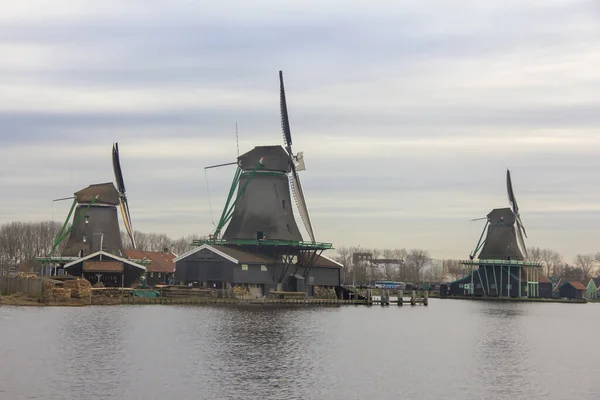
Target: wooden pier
[(399, 300), (385, 299)]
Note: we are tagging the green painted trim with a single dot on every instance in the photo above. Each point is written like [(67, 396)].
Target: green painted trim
[(76, 219), (228, 210), (267, 173), (506, 263), (256, 242)]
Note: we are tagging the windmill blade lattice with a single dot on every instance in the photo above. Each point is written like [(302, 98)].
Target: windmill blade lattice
[(295, 184), (122, 194)]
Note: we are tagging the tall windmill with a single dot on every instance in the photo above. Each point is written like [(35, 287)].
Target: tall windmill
[(258, 215), (261, 209), (95, 224), (503, 232), (499, 260)]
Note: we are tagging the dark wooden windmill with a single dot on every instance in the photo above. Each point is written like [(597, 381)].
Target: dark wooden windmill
[(499, 261), (95, 224), (258, 216)]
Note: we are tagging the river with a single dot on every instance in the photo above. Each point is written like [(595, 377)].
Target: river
[(453, 349)]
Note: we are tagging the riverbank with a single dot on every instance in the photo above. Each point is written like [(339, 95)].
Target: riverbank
[(517, 299)]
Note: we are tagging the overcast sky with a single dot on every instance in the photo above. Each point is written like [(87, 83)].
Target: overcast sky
[(408, 112)]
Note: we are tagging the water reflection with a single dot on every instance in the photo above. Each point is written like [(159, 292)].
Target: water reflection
[(452, 349), (502, 351)]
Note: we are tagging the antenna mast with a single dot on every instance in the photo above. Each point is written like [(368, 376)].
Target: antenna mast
[(237, 139)]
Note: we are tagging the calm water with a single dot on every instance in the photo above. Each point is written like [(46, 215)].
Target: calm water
[(450, 350)]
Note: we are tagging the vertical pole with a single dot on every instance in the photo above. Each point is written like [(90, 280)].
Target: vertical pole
[(401, 297), (509, 281), (472, 273), (487, 281), (520, 272), (495, 280), (501, 288), (426, 298), (480, 281), (413, 298)]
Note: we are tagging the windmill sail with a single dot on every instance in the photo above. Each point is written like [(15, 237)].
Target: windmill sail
[(295, 184), (298, 194), (124, 206), (285, 121)]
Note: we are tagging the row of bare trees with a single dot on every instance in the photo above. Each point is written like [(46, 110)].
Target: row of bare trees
[(159, 242), (416, 264), (24, 241), (386, 264)]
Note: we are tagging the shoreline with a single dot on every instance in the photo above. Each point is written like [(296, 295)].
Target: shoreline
[(516, 299)]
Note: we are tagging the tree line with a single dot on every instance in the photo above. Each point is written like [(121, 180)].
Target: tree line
[(399, 265), (416, 265), (24, 241)]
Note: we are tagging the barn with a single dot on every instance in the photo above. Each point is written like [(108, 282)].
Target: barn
[(160, 267), (571, 289), (220, 266), (110, 270)]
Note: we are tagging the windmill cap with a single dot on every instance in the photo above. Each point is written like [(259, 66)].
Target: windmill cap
[(106, 192), (274, 158), (502, 215)]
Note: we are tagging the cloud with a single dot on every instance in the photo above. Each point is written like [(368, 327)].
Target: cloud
[(408, 112)]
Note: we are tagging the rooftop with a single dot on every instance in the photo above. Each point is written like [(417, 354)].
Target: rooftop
[(158, 261)]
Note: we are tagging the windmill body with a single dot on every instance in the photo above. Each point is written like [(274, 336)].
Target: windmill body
[(501, 238), (264, 211), (95, 223), (499, 266)]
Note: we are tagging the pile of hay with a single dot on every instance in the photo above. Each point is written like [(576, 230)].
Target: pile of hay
[(99, 284), (80, 288), (61, 293), (240, 291), (324, 293), (25, 275)]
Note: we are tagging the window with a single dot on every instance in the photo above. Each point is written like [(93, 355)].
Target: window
[(478, 286), (12, 269), (2, 271), (87, 219), (263, 267), (460, 286), (244, 267), (151, 274), (84, 238), (159, 274), (260, 235)]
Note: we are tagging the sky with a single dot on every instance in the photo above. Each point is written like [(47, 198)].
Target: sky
[(408, 112)]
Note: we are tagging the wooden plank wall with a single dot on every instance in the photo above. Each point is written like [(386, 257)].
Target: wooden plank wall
[(31, 287)]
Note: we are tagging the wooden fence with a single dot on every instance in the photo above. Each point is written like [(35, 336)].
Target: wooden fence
[(31, 287)]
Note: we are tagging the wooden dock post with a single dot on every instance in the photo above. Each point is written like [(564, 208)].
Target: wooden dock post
[(426, 298), (413, 298), (401, 297)]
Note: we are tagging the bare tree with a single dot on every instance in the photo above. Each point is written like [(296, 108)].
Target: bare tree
[(417, 258), (552, 261), (345, 258), (534, 254), (587, 265)]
